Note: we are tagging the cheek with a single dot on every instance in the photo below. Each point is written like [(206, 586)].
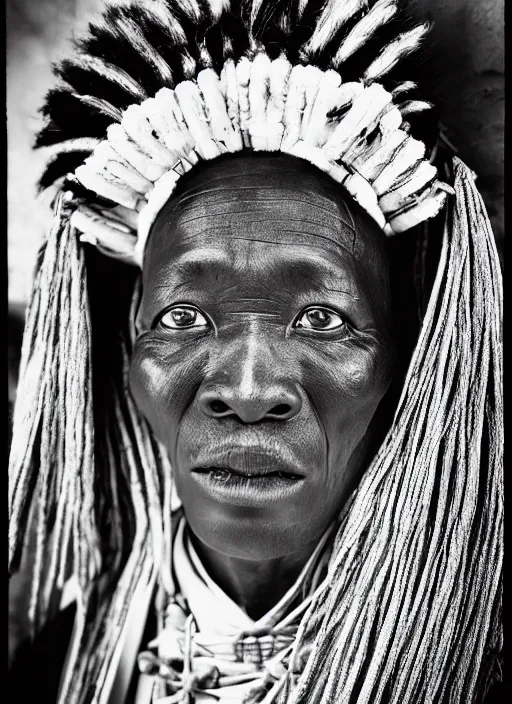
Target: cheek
[(346, 386), (163, 383)]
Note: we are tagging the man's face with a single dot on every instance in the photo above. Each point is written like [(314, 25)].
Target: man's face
[(264, 350)]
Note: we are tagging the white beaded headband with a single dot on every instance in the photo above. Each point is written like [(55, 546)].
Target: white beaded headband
[(351, 131)]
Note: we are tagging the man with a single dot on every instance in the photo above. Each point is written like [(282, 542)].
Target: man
[(318, 539)]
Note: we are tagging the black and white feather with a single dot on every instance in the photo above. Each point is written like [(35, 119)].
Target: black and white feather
[(138, 48)]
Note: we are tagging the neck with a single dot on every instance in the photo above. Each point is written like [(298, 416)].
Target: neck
[(255, 585)]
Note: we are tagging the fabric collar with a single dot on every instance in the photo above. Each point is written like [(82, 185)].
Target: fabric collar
[(214, 611), (210, 648)]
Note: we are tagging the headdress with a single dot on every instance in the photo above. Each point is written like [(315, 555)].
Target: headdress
[(410, 611)]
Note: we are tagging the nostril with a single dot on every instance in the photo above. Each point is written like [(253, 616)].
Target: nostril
[(281, 409), (248, 410), (218, 406)]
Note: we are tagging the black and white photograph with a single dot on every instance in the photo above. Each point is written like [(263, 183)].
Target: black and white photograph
[(255, 351)]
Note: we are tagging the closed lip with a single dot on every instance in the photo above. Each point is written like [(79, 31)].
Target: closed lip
[(248, 462)]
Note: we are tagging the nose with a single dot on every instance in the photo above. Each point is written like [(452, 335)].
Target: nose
[(223, 401), (250, 384)]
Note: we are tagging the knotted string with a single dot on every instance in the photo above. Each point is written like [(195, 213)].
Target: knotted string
[(194, 665)]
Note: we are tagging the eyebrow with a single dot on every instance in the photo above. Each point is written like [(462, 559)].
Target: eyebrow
[(190, 265), (201, 255), (308, 269)]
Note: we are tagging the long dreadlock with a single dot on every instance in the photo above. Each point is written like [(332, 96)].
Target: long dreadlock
[(410, 608)]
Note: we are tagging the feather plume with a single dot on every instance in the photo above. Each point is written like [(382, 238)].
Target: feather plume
[(189, 99), (316, 132), (140, 130), (371, 165), (159, 14), (312, 79), (334, 16), (134, 35), (113, 74), (331, 96), (140, 48), (405, 159), (65, 162), (191, 8), (100, 230), (302, 4), (259, 89), (399, 48), (121, 40), (78, 144), (105, 157), (168, 117), (107, 186), (159, 196), (362, 117), (279, 78), (379, 14), (424, 210), (217, 115), (69, 118), (294, 108), (243, 72), (101, 106), (423, 175), (363, 193), (404, 87), (229, 89), (411, 106), (133, 154), (217, 7)]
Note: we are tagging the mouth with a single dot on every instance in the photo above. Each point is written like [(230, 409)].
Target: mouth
[(249, 462), (227, 474), (247, 478)]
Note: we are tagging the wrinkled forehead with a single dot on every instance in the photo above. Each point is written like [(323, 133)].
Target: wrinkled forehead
[(237, 203)]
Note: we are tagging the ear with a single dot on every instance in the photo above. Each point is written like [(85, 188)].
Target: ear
[(135, 308)]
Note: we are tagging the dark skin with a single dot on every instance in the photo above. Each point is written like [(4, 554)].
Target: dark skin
[(265, 338)]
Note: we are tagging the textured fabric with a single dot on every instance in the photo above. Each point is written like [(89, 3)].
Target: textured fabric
[(36, 670)]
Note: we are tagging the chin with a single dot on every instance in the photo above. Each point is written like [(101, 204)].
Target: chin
[(251, 533)]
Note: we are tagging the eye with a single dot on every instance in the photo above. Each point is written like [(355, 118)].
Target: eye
[(319, 319), (181, 317)]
